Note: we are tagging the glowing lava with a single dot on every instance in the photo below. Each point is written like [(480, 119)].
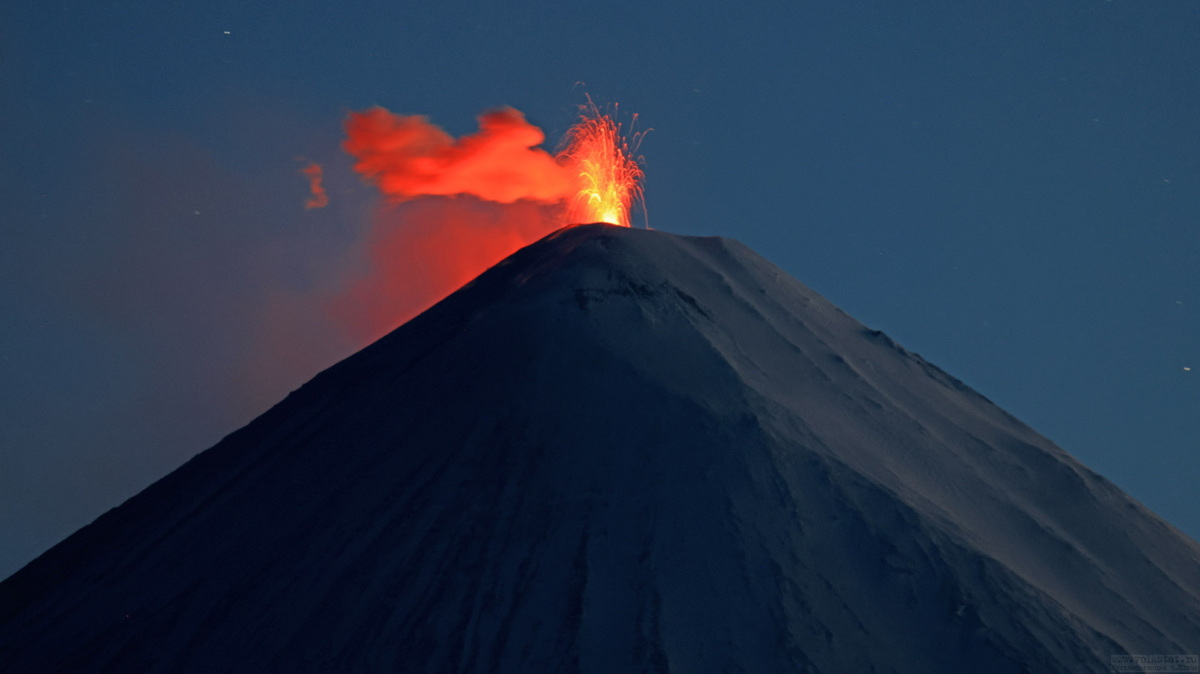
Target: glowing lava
[(608, 178)]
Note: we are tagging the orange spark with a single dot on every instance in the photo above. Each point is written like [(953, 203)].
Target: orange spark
[(608, 178)]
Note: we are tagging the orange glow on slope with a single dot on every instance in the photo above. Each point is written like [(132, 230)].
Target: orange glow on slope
[(607, 178)]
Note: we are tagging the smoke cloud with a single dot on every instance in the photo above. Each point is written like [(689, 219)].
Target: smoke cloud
[(318, 198), (407, 156)]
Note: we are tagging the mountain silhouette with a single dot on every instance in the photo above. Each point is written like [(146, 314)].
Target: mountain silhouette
[(618, 451)]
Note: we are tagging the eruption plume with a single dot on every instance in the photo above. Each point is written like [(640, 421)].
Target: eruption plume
[(458, 206), (408, 157)]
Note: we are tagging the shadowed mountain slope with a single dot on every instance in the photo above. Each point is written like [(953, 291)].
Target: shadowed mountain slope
[(618, 451)]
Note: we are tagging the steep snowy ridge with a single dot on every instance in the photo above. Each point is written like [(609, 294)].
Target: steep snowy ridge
[(618, 451)]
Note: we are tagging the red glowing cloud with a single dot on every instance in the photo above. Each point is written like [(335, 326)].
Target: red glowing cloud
[(407, 157)]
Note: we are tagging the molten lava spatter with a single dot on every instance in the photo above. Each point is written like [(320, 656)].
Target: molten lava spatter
[(609, 179)]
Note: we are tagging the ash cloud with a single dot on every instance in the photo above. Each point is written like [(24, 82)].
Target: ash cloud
[(316, 177), (406, 156)]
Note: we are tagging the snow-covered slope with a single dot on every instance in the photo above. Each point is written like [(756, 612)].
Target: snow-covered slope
[(618, 451)]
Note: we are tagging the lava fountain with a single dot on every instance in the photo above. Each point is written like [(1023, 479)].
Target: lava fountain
[(607, 176)]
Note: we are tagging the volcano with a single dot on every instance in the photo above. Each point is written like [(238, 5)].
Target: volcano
[(618, 451)]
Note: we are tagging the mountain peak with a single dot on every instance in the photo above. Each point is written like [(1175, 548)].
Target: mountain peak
[(619, 450)]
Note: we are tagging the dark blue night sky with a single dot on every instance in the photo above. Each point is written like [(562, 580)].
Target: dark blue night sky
[(1010, 189)]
